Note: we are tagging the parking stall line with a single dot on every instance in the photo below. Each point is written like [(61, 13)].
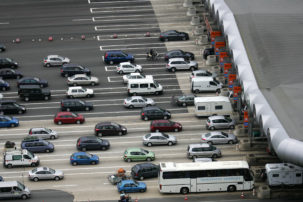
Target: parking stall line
[(110, 2), (121, 39), (127, 28), (92, 10), (136, 16)]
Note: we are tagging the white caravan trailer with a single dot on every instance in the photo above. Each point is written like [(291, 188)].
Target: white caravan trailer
[(283, 174), (216, 105)]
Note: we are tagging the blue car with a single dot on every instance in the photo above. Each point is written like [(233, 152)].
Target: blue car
[(83, 158), (37, 145), (4, 85), (7, 121), (117, 56), (131, 186)]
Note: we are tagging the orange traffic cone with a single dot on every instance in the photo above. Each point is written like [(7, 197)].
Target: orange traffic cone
[(185, 198), (242, 195)]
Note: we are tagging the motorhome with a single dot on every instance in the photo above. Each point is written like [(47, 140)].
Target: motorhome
[(216, 105)]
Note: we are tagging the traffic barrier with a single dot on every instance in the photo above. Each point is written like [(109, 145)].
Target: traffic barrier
[(50, 38)]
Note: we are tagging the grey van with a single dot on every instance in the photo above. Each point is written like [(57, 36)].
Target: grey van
[(203, 150), (14, 189)]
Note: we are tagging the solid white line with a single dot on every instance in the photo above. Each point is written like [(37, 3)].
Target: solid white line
[(89, 1), (117, 39), (124, 7), (120, 11), (139, 44), (106, 2), (101, 48), (108, 79), (132, 28), (130, 25), (4, 23), (155, 47), (81, 20), (129, 17)]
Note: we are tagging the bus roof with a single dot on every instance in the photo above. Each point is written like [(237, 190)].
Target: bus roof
[(171, 166)]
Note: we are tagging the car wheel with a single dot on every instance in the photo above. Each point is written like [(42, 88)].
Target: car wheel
[(192, 68), (173, 69), (145, 118), (18, 77), (149, 144), (194, 157), (210, 142), (176, 130), (142, 190), (170, 144), (47, 65), (184, 104), (148, 159), (120, 72), (47, 151), (231, 188), (75, 84), (134, 94), (88, 95), (93, 83), (232, 127), (26, 99), (68, 109), (86, 108), (57, 178), (99, 134), (212, 128), (111, 62), (184, 190), (103, 148), (24, 197), (83, 149), (214, 156), (59, 122), (141, 178), (230, 142), (33, 165), (218, 91), (137, 70), (165, 117), (78, 122), (93, 163), (9, 166), (3, 88), (12, 125), (196, 91), (128, 160), (184, 38), (66, 75), (52, 137), (148, 105), (130, 106), (120, 133), (166, 39), (156, 93), (74, 163), (46, 98), (20, 112)]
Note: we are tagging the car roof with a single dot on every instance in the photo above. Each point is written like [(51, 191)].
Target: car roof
[(161, 121), (136, 97), (105, 123), (71, 100), (176, 59), (79, 153), (125, 63), (64, 113), (133, 149), (35, 129), (127, 181), (42, 168), (75, 87), (216, 117), (113, 51), (200, 70), (145, 165), (133, 74), (200, 145), (155, 134), (88, 138), (53, 56), (8, 101), (71, 65), (79, 75), (150, 107), (175, 50)]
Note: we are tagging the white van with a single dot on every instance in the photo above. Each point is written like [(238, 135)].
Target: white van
[(144, 86), (14, 189), (216, 105), (283, 174), (20, 158), (205, 84)]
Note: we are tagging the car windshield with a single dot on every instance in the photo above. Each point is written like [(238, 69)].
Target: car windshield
[(225, 134), (21, 186), (8, 59), (34, 170), (84, 89), (215, 80), (60, 57), (156, 84), (147, 136), (99, 140), (165, 135), (36, 78), (116, 125), (136, 183), (144, 99), (30, 154), (81, 102), (48, 130), (129, 98), (144, 151), (89, 155), (207, 135), (228, 119), (52, 170), (74, 114), (8, 118)]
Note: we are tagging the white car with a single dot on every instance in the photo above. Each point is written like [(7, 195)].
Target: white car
[(135, 76), (43, 133), (127, 67), (79, 91), (82, 79), (138, 101), (55, 60), (181, 64), (1, 96)]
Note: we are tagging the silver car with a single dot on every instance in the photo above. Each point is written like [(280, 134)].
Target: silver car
[(135, 76), (79, 91), (127, 67), (202, 73), (138, 101), (43, 133), (159, 139), (55, 60), (82, 79), (181, 64), (218, 122), (203, 150), (218, 138), (45, 173)]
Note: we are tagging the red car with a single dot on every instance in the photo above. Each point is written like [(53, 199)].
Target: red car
[(68, 117), (165, 126)]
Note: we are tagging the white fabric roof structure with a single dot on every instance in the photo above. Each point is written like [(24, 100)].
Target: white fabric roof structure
[(266, 39)]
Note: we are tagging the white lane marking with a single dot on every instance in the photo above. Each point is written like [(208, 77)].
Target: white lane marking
[(101, 49), (135, 38), (109, 2), (109, 79), (89, 2), (4, 23), (66, 185), (154, 47), (124, 7), (150, 16), (119, 11), (127, 28), (76, 20), (138, 44)]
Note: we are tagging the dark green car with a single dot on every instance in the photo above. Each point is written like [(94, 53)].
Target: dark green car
[(138, 154)]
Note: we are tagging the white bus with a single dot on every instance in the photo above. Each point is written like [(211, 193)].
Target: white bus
[(205, 177)]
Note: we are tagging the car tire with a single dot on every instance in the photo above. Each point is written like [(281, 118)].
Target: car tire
[(148, 159), (66, 75), (46, 98), (78, 122), (93, 83), (192, 68), (212, 128), (9, 166), (12, 125), (83, 149), (59, 122), (184, 38), (141, 178), (57, 178), (18, 77), (230, 142), (47, 65), (74, 84), (47, 151), (4, 88), (86, 108), (184, 104), (88, 95), (210, 142), (173, 69), (120, 72), (20, 112), (130, 106), (74, 163), (68, 109), (128, 160), (218, 91), (52, 137), (111, 62), (93, 163), (142, 190), (165, 117), (214, 156), (194, 157), (232, 127), (176, 130), (120, 133), (184, 190), (196, 91), (134, 94), (26, 99), (231, 188), (170, 144), (149, 144), (41, 85), (166, 39), (99, 134), (145, 118), (24, 197), (33, 165), (103, 148)]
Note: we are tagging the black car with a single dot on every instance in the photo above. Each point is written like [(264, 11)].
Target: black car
[(10, 74), (179, 54), (11, 107), (8, 63), (32, 81), (2, 48), (75, 105), (109, 128), (144, 170), (173, 35), (92, 143), (149, 113), (207, 52), (4, 85), (33, 92), (183, 100), (72, 69)]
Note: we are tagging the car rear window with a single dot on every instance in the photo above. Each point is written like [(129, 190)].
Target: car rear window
[(207, 134), (135, 168)]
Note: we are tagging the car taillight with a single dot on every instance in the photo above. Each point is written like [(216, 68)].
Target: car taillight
[(142, 114), (167, 65), (45, 60), (203, 139), (125, 156), (30, 132), (124, 102), (61, 70), (161, 36), (136, 174), (160, 186), (78, 143), (106, 55), (97, 129)]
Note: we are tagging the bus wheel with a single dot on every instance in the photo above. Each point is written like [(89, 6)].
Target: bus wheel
[(184, 190), (231, 188)]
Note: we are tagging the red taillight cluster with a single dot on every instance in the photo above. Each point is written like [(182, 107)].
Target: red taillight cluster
[(106, 55), (30, 132), (61, 70), (160, 186), (45, 61), (142, 114), (203, 139), (78, 143)]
